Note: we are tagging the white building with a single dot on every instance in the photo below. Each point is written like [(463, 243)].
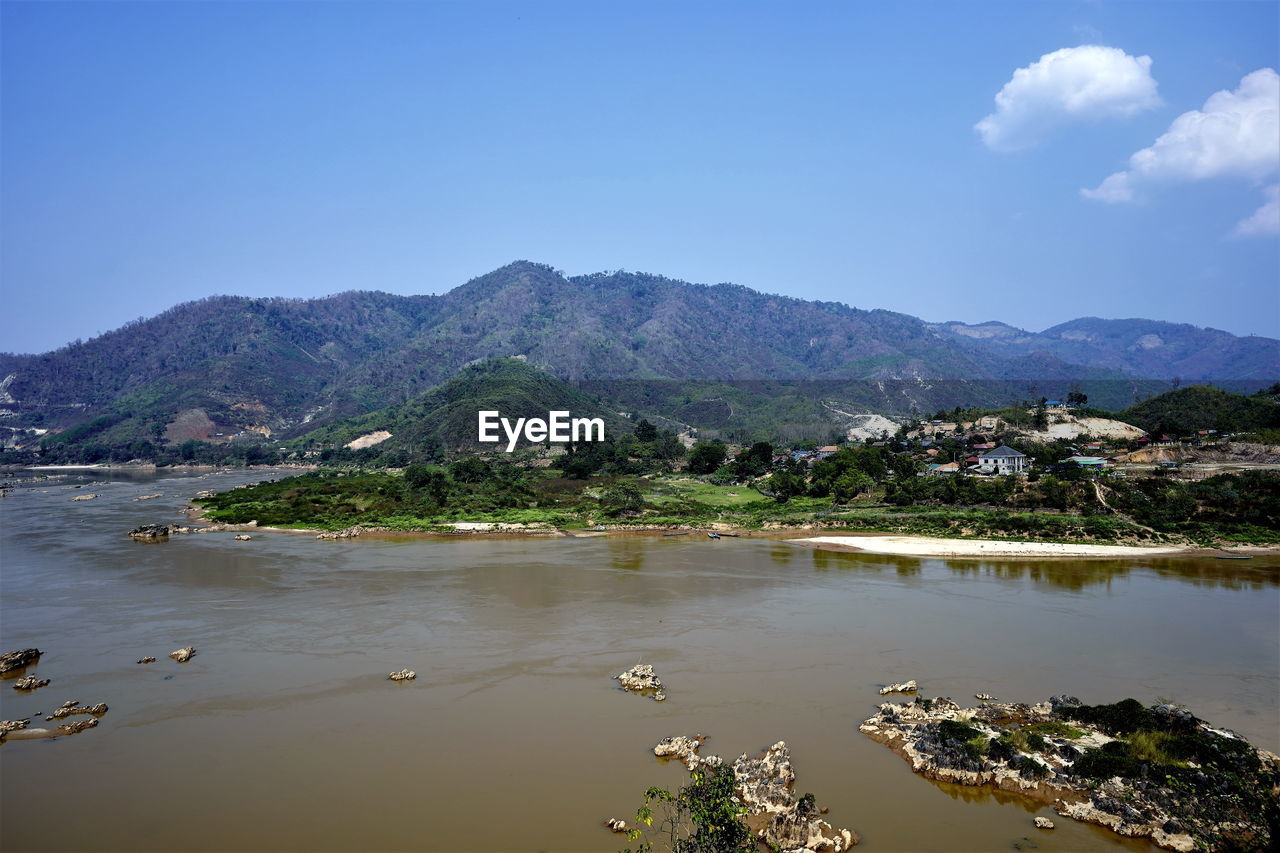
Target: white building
[(1002, 460)]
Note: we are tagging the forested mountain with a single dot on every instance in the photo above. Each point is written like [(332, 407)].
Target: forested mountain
[(212, 368), (1146, 348)]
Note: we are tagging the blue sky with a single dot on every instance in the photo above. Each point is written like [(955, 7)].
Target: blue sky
[(159, 152)]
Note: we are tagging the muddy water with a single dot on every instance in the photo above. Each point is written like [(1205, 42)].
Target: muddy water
[(284, 734)]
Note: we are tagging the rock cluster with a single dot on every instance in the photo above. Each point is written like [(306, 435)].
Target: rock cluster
[(76, 726), (765, 785), (984, 697), (150, 533), (84, 497), (7, 726), (147, 659), (10, 661), (613, 824), (30, 683), (1207, 793), (183, 655), (640, 679), (1043, 823), (682, 748), (243, 537), (346, 533), (403, 675), (903, 687), (147, 497), (71, 708)]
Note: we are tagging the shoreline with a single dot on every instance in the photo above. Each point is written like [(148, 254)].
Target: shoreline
[(927, 546)]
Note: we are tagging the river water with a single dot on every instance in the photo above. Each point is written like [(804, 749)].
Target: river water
[(284, 733)]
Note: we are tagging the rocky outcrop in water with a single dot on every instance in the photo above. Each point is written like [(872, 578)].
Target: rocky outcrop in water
[(765, 785), (150, 533), (1043, 823), (903, 687), (147, 497), (184, 654), (7, 726), (12, 661), (782, 820), (403, 675), (682, 748), (84, 497), (642, 679), (30, 682), (1159, 772), (147, 659), (243, 537), (72, 707)]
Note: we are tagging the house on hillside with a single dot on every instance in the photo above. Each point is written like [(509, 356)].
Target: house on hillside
[(1087, 461), (1002, 460)]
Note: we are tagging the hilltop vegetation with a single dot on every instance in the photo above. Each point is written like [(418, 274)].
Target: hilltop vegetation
[(445, 418), (1197, 407)]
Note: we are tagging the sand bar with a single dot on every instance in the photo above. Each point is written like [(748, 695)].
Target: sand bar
[(924, 546)]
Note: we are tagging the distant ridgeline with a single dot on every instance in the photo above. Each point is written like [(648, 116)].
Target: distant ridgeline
[(232, 380)]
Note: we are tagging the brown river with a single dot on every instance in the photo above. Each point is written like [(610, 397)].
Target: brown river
[(283, 733)]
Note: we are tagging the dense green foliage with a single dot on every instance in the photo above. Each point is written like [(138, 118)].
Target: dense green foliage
[(702, 817), (1198, 407)]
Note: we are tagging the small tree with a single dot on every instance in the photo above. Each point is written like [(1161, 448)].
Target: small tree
[(705, 458), (702, 817), (622, 498)]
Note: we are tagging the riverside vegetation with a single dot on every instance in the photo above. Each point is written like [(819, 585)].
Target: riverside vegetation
[(629, 482)]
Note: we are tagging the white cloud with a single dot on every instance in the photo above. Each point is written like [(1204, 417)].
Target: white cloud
[(1235, 134), (1266, 219), (1071, 85)]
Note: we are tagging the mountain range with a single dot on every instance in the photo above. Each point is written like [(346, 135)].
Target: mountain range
[(286, 366)]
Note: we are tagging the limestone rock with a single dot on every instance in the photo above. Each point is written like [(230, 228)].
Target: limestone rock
[(682, 748), (147, 497), (84, 497), (403, 675), (984, 697), (183, 655), (10, 661), (147, 660), (903, 687), (640, 679), (616, 825), (30, 683), (782, 820), (1044, 823), (7, 726), (243, 537)]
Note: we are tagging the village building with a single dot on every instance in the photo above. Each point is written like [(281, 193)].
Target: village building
[(1002, 460)]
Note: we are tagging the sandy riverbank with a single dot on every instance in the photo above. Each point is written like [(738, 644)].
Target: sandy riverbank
[(923, 546)]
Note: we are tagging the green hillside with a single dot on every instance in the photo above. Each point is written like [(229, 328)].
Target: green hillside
[(1198, 407), (444, 418)]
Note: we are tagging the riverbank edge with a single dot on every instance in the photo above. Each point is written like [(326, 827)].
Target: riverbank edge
[(828, 539)]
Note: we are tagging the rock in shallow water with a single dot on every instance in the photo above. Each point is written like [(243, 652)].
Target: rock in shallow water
[(30, 683), (641, 678), (183, 655), (150, 533), (10, 661), (403, 675), (903, 687), (1044, 823)]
